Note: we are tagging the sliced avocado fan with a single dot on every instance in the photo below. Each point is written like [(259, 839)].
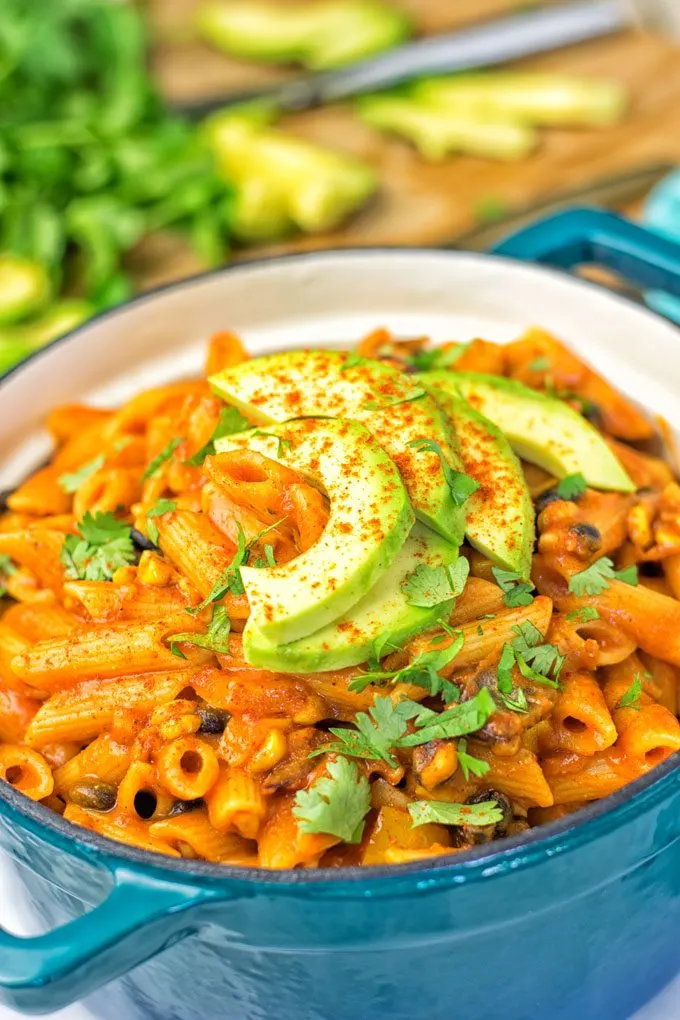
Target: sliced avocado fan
[(370, 519), (384, 613), (500, 515), (544, 430), (397, 411)]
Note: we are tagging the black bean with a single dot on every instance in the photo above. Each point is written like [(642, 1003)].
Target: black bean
[(588, 531), (547, 497), (141, 541), (481, 834), (182, 807), (213, 720), (93, 794)]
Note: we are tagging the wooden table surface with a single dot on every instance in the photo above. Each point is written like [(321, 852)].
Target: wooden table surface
[(429, 204)]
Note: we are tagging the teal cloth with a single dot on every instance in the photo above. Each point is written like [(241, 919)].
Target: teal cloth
[(662, 215)]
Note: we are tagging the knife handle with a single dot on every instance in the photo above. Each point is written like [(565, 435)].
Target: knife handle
[(592, 236)]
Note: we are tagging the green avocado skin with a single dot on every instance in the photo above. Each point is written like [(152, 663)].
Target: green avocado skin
[(544, 430), (500, 515), (384, 611)]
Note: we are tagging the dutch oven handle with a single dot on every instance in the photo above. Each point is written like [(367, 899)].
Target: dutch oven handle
[(141, 916), (585, 236)]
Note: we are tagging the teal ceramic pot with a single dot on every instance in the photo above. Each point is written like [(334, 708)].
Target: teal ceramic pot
[(579, 919)]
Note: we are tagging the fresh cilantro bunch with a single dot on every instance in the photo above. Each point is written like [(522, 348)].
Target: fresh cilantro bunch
[(102, 545), (336, 804)]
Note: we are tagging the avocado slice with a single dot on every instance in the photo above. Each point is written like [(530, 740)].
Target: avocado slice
[(397, 411), (544, 430), (370, 519), (500, 515), (320, 35), (383, 612)]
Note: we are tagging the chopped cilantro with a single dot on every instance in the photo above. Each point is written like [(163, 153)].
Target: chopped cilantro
[(545, 658), (631, 699), (283, 444), (460, 484), (444, 812), (230, 421), (103, 545), (516, 592), (216, 637), (269, 555), (376, 405), (466, 717), (430, 586), (71, 482), (162, 506), (164, 455), (595, 578), (572, 486), (354, 360), (490, 208), (423, 671), (516, 701), (437, 358), (540, 364), (583, 615), (504, 669), (469, 765), (7, 568), (336, 804), (230, 578)]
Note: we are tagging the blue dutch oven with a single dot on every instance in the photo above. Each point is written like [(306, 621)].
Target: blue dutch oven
[(578, 919)]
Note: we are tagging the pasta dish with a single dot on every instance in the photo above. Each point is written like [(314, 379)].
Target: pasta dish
[(330, 608)]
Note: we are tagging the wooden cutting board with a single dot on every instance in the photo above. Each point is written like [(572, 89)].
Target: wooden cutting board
[(430, 204)]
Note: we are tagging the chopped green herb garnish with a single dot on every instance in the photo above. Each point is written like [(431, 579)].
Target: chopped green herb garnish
[(516, 592), (631, 699), (443, 812), (336, 804), (283, 444), (545, 658), (269, 555), (516, 701), (162, 506), (7, 568), (583, 615), (164, 455), (572, 486), (216, 638), (469, 765), (491, 208), (460, 484), (437, 358), (466, 717), (423, 671), (230, 422), (595, 578), (71, 482), (430, 586), (540, 364), (103, 545), (230, 578), (354, 360), (375, 405)]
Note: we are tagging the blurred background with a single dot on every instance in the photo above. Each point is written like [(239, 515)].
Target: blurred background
[(143, 142)]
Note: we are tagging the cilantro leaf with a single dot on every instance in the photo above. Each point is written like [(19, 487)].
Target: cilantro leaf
[(376, 732), (516, 701), (631, 699), (436, 358), (269, 555), (71, 482), (540, 364), (162, 506), (595, 578), (529, 673), (7, 568), (423, 671), (469, 765), (104, 544), (216, 637), (516, 592), (230, 421), (466, 717), (545, 658), (230, 578), (376, 405), (282, 443), (430, 586), (336, 804), (444, 812), (460, 485), (583, 615), (504, 669), (354, 360), (572, 486), (165, 454)]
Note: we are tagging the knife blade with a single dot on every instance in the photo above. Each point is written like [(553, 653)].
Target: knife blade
[(522, 34)]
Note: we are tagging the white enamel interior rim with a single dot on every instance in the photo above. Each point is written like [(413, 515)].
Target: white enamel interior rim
[(332, 299)]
